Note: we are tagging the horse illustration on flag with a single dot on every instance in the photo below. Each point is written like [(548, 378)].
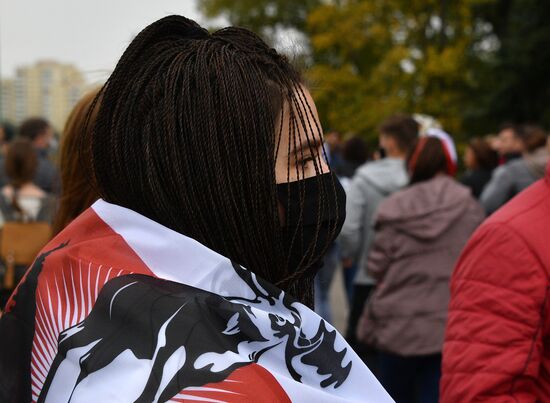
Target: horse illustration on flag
[(112, 317)]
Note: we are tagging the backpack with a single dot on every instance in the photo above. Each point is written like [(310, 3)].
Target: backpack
[(22, 238)]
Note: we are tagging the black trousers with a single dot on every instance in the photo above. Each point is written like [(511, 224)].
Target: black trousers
[(5, 294), (361, 294)]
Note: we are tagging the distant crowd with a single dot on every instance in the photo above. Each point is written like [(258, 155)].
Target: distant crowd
[(411, 208), (42, 188), (410, 212)]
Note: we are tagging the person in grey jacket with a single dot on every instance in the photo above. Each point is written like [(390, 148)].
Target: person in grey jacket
[(517, 175), (373, 182)]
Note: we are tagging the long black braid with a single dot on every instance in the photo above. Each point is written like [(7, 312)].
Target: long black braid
[(188, 132)]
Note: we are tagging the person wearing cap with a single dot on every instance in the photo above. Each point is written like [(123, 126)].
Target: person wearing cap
[(420, 232)]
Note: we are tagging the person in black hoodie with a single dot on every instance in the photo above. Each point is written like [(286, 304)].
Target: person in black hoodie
[(480, 161)]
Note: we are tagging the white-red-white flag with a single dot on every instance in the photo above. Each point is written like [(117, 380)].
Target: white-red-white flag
[(118, 308)]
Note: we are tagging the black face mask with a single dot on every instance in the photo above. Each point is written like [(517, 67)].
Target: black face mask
[(315, 210)]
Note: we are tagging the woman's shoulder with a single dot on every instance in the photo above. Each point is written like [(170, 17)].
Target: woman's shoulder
[(398, 204)]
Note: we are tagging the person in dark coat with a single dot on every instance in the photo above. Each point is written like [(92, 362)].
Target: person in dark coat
[(480, 161)]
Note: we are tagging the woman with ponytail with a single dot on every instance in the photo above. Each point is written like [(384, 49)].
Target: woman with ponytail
[(421, 231), (192, 277)]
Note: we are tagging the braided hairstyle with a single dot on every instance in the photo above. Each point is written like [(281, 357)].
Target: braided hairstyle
[(189, 130)]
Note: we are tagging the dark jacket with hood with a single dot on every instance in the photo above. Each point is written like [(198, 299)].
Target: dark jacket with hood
[(421, 231)]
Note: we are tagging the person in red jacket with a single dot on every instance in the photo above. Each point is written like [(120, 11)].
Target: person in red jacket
[(497, 344)]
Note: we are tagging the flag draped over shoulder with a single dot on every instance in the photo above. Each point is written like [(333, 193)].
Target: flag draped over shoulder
[(118, 308)]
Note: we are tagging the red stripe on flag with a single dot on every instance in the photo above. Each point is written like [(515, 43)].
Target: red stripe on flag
[(252, 383), (71, 280)]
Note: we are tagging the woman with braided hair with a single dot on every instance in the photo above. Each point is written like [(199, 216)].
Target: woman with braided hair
[(191, 278)]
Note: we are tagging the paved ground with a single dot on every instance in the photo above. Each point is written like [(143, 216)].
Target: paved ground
[(338, 301)]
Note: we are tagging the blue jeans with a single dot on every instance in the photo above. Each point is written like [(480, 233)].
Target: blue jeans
[(410, 379), (349, 278), (323, 281)]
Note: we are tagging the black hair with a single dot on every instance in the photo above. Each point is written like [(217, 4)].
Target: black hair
[(33, 127), (188, 132), (533, 136), (427, 159), (9, 131), (355, 150), (403, 128), (486, 157)]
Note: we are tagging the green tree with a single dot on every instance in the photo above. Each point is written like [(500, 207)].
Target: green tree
[(465, 62), (262, 16), (516, 83), (375, 58)]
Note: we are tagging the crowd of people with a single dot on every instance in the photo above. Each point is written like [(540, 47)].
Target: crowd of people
[(200, 174), (33, 173), (409, 216)]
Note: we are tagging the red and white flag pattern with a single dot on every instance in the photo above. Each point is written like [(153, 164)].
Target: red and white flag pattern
[(118, 308)]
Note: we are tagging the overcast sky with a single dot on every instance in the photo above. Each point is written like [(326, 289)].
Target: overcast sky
[(89, 33)]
